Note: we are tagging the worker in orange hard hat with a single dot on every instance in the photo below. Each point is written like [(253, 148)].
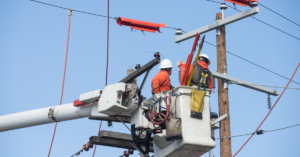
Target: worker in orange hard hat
[(161, 81), (201, 73)]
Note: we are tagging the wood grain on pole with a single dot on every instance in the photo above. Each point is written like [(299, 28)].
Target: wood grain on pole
[(225, 143)]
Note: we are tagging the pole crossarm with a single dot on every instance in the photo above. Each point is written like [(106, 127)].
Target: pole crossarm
[(217, 24), (245, 83)]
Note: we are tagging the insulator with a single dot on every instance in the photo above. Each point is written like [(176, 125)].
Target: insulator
[(179, 75), (90, 145), (126, 154), (214, 85), (269, 102), (130, 151), (156, 54), (85, 147)]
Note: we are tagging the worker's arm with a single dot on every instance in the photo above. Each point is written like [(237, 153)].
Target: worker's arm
[(210, 84), (155, 85)]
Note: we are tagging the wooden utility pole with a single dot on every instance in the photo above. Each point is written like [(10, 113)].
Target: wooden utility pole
[(225, 143)]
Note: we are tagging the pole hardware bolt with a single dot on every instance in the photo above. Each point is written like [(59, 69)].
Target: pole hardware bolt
[(137, 67), (156, 54), (259, 132)]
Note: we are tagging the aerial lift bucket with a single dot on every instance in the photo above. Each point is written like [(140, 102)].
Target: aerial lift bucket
[(196, 133)]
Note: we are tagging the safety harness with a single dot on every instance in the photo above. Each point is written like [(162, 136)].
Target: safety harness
[(201, 77)]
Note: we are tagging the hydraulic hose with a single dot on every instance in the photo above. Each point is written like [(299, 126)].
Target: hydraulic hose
[(136, 138), (154, 114), (138, 141)]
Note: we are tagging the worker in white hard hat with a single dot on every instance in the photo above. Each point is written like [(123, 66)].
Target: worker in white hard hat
[(201, 74), (161, 81)]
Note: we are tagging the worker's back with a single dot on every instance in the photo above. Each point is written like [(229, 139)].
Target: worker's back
[(161, 82), (201, 67)]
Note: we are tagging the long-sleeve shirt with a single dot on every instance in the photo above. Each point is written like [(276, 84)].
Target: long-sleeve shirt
[(204, 66), (161, 82)]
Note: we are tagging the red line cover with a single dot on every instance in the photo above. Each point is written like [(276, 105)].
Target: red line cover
[(241, 2), (140, 25)]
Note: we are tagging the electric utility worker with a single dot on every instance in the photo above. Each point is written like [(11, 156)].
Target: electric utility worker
[(201, 74), (161, 81)]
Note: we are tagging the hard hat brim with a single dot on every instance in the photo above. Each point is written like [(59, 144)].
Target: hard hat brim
[(206, 58), (163, 67)]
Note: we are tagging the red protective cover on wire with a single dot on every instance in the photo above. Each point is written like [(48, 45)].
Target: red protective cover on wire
[(241, 2), (268, 113), (140, 25), (153, 114), (189, 61), (63, 85)]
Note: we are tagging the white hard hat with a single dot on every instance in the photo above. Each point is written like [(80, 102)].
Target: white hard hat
[(166, 64), (205, 56)]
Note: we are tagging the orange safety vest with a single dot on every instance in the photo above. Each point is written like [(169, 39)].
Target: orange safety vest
[(161, 82)]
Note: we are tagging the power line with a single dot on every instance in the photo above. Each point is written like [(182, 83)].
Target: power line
[(63, 85), (214, 1), (281, 128), (263, 131), (268, 24), (49, 4), (107, 55), (78, 153), (173, 28), (184, 31), (269, 112), (261, 21), (73, 10), (254, 64), (279, 14)]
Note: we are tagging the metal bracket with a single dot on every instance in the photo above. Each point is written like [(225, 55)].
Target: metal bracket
[(218, 32), (144, 80), (226, 83), (219, 119), (216, 24), (51, 113), (70, 12)]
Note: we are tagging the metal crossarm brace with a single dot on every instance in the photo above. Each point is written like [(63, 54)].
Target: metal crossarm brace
[(115, 139), (244, 83), (141, 70), (217, 24), (144, 80)]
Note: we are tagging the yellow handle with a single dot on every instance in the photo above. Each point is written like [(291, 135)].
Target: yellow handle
[(196, 59)]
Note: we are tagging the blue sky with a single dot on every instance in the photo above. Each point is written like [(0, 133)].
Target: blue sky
[(32, 53)]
